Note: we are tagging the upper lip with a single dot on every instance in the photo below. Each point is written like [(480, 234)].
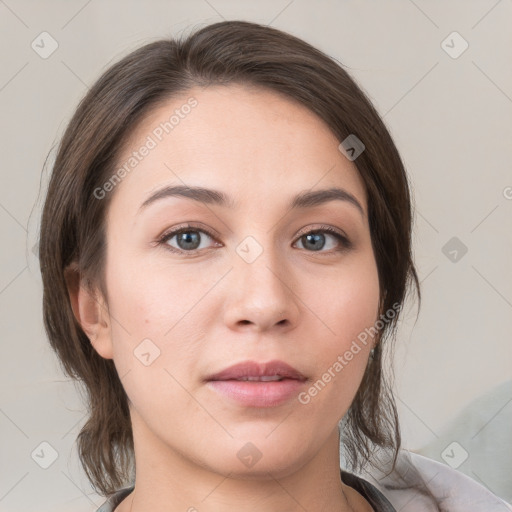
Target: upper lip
[(255, 369)]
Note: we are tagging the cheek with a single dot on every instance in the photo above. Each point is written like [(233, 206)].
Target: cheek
[(348, 310), (347, 303), (160, 311), (161, 304), (155, 334), (151, 297)]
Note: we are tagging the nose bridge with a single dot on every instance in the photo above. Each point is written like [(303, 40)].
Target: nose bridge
[(260, 267), (263, 291)]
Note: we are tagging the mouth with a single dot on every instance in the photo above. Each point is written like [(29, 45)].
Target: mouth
[(269, 378), (252, 370), (253, 384)]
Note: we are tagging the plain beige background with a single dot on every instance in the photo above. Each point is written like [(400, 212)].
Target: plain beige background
[(449, 109)]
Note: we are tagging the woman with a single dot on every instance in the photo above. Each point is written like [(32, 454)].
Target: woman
[(225, 250)]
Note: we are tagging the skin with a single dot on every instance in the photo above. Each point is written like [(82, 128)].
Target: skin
[(211, 310)]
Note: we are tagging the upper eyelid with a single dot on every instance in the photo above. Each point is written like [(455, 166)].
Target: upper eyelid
[(174, 231), (323, 228), (330, 230)]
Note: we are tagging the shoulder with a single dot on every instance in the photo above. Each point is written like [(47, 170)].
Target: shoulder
[(431, 485), (116, 498)]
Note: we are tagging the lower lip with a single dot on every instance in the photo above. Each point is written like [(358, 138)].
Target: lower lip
[(258, 393)]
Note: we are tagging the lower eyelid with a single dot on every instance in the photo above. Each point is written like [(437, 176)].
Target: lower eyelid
[(342, 239), (345, 243), (170, 235)]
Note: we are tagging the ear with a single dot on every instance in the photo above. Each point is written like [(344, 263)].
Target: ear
[(90, 310)]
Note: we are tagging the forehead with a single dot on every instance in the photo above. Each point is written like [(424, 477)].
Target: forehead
[(248, 142)]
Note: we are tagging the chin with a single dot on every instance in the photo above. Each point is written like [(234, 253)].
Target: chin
[(254, 457)]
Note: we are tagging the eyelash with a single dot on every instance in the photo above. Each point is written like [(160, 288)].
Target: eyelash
[(344, 241)]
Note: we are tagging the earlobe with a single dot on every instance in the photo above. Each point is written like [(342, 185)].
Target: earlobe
[(90, 311)]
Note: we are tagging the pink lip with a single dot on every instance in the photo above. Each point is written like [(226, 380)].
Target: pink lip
[(258, 393), (254, 369)]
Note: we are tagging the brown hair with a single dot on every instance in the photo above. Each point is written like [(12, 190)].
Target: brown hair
[(72, 232)]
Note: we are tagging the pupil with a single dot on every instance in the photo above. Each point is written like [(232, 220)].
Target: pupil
[(188, 241), (191, 239), (316, 240)]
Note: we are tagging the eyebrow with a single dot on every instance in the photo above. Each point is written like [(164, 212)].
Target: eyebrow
[(306, 199)]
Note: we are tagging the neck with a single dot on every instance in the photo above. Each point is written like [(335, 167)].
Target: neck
[(167, 480)]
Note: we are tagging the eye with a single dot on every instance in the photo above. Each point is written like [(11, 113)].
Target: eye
[(316, 239), (188, 239)]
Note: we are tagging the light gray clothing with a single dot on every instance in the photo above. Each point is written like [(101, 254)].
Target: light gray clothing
[(417, 484)]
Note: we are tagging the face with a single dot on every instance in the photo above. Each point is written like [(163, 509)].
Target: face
[(249, 280)]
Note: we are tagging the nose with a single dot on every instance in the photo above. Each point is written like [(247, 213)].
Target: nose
[(262, 294)]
